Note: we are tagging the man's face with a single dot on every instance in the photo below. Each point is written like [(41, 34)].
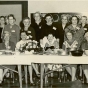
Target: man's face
[(26, 22)]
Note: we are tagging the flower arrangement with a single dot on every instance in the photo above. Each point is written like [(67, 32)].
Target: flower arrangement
[(28, 46)]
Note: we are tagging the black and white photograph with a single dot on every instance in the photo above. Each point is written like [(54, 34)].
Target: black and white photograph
[(43, 44)]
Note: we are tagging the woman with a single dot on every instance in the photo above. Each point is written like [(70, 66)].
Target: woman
[(62, 25), (6, 45), (28, 29), (77, 31), (37, 25), (50, 27), (70, 44), (84, 46), (51, 42), (13, 29), (84, 23)]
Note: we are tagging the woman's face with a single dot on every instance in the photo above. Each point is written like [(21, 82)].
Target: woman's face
[(11, 20), (69, 36), (74, 20), (50, 37), (23, 36), (64, 20), (48, 19), (37, 17), (26, 23), (2, 20), (6, 36), (83, 20)]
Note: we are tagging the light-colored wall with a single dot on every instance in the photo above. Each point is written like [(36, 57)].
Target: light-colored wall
[(5, 10), (57, 6)]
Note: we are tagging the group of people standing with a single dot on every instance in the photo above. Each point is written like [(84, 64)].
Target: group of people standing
[(66, 34)]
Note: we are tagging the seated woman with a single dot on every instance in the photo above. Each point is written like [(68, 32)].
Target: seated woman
[(84, 46), (6, 45), (18, 45), (49, 44), (70, 44)]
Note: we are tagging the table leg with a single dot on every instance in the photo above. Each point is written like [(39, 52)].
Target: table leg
[(20, 75), (41, 77), (25, 68)]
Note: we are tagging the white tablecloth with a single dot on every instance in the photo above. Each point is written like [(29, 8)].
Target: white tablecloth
[(28, 59)]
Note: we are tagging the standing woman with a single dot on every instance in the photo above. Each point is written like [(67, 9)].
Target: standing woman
[(84, 23), (30, 32), (78, 34), (2, 25), (62, 25), (13, 29), (37, 25), (28, 29), (77, 30)]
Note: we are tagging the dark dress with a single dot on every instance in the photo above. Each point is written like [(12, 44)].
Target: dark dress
[(61, 32), (30, 32), (37, 28), (50, 29), (2, 47), (1, 34)]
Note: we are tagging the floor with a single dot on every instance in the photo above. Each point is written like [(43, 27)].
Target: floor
[(8, 83)]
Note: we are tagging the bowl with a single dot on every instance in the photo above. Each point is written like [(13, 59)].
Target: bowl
[(86, 52), (77, 52)]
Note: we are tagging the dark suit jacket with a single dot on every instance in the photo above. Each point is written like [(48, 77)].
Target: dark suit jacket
[(61, 32)]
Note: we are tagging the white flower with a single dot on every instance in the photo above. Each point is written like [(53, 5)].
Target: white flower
[(54, 28), (39, 27), (85, 28), (29, 31), (77, 28)]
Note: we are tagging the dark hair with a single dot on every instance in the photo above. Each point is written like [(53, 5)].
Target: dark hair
[(26, 18), (76, 17), (22, 31), (84, 17), (2, 17), (48, 15), (11, 15)]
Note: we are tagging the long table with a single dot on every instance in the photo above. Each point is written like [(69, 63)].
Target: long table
[(28, 59)]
